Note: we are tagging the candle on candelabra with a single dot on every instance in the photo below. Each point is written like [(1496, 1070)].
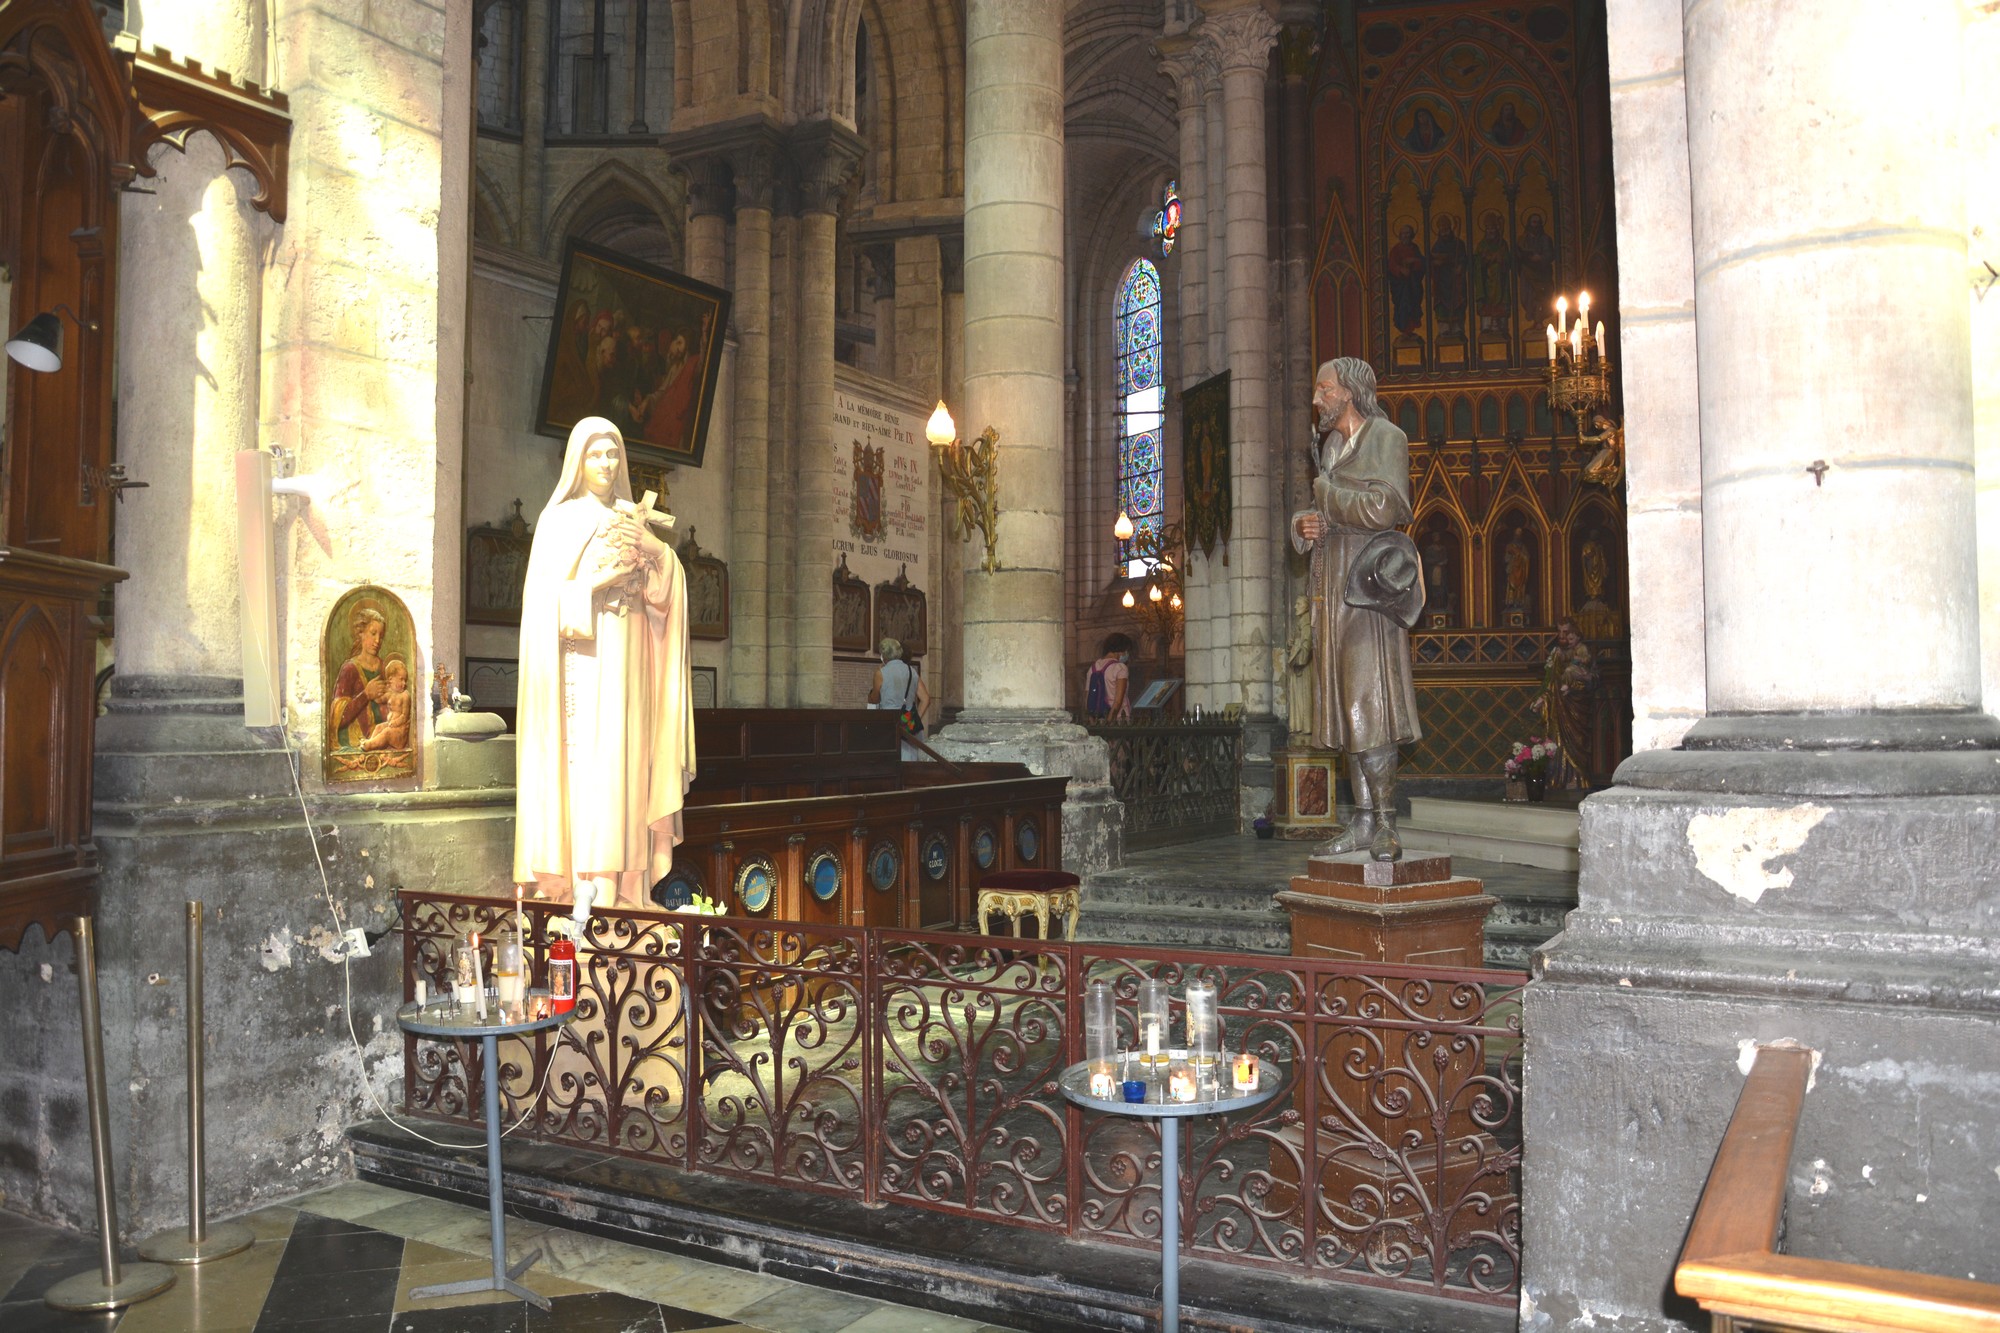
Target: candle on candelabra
[(1562, 315), (1576, 341), (1603, 352), (1552, 344), (1583, 307)]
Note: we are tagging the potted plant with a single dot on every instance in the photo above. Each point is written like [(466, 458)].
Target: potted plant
[(1529, 765), (1263, 826)]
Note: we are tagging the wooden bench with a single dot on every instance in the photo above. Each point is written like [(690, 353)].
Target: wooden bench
[(810, 814)]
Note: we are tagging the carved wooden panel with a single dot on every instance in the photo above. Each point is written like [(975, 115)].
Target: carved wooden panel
[(48, 710)]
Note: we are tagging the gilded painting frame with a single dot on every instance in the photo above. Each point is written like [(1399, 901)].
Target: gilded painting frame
[(373, 687), (610, 354)]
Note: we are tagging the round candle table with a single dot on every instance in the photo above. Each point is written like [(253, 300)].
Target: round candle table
[(1075, 1084), (440, 1018)]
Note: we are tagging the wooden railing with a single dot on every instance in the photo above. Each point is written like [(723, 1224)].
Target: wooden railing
[(1730, 1262)]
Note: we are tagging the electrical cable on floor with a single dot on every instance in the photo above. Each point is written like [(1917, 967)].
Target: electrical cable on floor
[(294, 762)]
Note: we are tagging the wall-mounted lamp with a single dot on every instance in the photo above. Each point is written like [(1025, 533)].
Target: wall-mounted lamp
[(39, 344), (972, 474)]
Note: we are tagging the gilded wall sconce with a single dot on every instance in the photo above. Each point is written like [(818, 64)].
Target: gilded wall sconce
[(972, 474)]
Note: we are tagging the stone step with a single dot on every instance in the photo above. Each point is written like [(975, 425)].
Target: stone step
[(1184, 897), (1520, 833), (1261, 932)]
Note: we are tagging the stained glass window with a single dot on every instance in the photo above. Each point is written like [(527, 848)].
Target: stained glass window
[(1141, 404)]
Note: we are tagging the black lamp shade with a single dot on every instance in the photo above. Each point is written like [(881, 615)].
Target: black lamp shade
[(39, 344)]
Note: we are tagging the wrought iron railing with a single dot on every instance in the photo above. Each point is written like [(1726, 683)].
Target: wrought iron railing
[(920, 1068), (1179, 780)]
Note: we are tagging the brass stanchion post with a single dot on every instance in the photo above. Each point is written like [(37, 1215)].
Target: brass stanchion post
[(112, 1286), (199, 1243)]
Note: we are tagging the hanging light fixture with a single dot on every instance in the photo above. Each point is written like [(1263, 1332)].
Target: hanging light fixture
[(39, 344), (1122, 529)]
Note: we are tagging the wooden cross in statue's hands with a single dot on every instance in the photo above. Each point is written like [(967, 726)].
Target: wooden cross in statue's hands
[(659, 520)]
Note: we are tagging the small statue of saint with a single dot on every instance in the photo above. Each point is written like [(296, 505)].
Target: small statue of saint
[(1298, 675), (605, 749), (1569, 707)]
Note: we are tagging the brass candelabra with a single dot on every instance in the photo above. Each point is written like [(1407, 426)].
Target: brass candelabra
[(1162, 608), (1580, 384), (972, 474)]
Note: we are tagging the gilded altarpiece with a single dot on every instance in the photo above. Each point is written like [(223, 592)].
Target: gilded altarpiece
[(1463, 170)]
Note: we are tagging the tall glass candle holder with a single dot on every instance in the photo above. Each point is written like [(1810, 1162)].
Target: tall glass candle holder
[(1155, 1011), (1204, 1027), (1100, 1039)]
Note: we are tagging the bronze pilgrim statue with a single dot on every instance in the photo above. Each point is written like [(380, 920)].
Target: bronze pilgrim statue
[(1367, 589)]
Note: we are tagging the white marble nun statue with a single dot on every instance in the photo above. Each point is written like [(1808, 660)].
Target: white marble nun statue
[(605, 728)]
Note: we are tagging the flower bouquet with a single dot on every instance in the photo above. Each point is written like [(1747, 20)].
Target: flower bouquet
[(1528, 768)]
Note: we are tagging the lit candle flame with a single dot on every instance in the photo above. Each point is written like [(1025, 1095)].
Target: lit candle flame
[(1129, 602), (941, 429)]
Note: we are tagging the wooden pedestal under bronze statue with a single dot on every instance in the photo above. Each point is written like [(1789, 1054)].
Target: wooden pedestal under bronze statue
[(1402, 1149), (1408, 911)]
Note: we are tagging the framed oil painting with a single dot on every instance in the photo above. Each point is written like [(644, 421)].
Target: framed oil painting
[(1205, 489), (637, 345), (374, 688)]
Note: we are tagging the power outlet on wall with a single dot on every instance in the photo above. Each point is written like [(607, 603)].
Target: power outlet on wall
[(357, 942)]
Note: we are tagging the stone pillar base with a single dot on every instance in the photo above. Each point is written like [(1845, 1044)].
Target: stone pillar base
[(1304, 780), (191, 804), (1050, 744), (1718, 909)]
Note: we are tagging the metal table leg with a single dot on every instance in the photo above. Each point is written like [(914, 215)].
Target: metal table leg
[(502, 1277), (1170, 1224)]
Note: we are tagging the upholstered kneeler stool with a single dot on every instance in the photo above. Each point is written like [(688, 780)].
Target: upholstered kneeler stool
[(1016, 893)]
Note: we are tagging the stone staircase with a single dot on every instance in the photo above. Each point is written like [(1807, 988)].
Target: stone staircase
[(1216, 894)]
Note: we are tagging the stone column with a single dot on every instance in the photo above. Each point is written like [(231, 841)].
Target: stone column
[(826, 157), (1189, 262), (1014, 336), (1816, 862), (537, 69), (750, 471), (1215, 158), (1291, 420), (1242, 37), (1014, 241), (882, 258), (949, 680), (1181, 61), (187, 402), (781, 521), (1805, 298), (708, 222), (920, 365), (1655, 357)]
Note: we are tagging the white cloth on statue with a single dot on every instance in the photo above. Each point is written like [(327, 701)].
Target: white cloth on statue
[(605, 737)]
